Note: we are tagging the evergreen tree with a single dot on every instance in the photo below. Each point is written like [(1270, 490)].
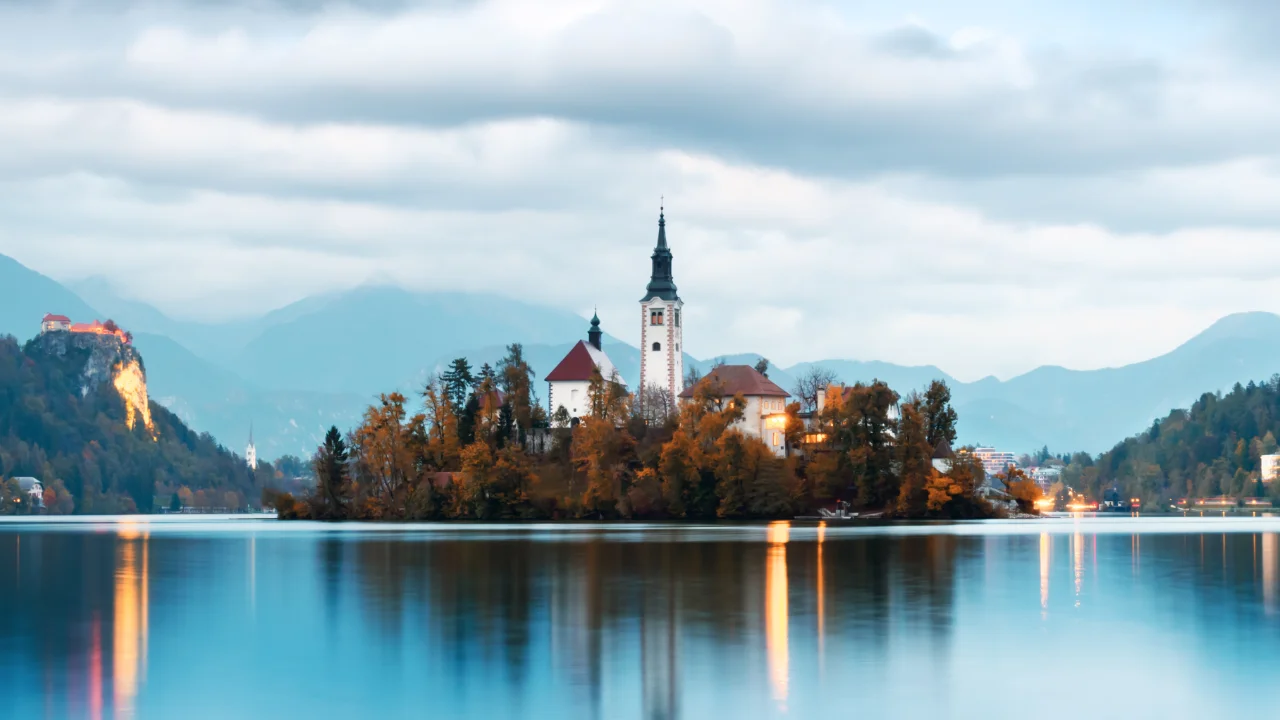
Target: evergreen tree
[(331, 471), (939, 417), (458, 381)]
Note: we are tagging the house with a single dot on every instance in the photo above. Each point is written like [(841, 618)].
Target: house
[(765, 415), (568, 385), (943, 457), (52, 323), (34, 490)]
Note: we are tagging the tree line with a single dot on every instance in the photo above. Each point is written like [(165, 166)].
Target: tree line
[(1214, 448), (478, 445)]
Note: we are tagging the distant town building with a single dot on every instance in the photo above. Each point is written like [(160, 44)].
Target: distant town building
[(765, 416), (1045, 476), (568, 385), (34, 490), (1270, 467), (54, 323), (251, 452), (995, 461), (661, 334)]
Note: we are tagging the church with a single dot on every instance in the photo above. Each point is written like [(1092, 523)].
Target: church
[(661, 359)]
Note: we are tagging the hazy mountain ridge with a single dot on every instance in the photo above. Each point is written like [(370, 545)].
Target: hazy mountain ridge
[(294, 371)]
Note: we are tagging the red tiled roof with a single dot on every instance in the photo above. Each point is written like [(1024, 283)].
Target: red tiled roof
[(577, 365), (742, 380), (56, 318)]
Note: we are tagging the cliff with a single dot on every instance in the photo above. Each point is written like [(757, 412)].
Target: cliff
[(74, 407)]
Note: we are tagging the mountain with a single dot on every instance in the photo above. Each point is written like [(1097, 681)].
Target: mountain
[(375, 339), (28, 296), (216, 401), (320, 360)]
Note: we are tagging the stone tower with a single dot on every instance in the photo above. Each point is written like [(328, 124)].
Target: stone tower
[(661, 341)]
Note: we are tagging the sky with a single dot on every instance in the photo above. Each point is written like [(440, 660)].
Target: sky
[(986, 186)]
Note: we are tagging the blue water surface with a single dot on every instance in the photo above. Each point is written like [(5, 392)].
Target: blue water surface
[(212, 617)]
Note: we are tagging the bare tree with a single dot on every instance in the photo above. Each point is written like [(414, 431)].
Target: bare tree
[(655, 405), (809, 384), (693, 375)]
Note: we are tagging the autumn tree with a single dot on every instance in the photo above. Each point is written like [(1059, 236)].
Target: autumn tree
[(915, 461), (655, 405), (1020, 487), (443, 451), (688, 462), (859, 430), (607, 399), (602, 454), (386, 446)]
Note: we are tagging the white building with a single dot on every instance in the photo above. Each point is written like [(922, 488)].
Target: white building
[(765, 416), (51, 323), (661, 334), (568, 385), (34, 490), (1270, 467), (995, 461), (1046, 476), (251, 452)]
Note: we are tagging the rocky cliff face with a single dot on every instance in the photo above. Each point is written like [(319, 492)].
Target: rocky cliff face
[(107, 361)]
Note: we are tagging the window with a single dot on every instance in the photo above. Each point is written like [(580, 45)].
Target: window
[(775, 438), (677, 317), (655, 317), (657, 347)]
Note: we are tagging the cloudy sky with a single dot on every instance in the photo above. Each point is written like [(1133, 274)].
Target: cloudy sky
[(981, 185)]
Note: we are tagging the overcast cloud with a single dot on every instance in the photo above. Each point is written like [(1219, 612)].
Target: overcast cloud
[(980, 185)]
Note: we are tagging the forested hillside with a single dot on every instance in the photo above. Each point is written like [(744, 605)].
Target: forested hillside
[(64, 420), (1209, 450)]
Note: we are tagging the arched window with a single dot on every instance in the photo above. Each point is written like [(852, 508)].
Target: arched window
[(657, 347)]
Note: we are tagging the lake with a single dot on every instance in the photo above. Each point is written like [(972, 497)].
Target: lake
[(207, 617)]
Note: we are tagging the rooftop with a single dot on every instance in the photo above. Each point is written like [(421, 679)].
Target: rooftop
[(742, 380)]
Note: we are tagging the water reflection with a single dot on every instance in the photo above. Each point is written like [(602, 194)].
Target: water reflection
[(129, 642), (668, 623), (776, 613)]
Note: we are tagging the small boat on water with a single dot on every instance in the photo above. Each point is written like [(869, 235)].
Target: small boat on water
[(840, 513)]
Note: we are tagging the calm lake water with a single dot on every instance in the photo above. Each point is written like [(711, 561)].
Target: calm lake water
[(233, 618)]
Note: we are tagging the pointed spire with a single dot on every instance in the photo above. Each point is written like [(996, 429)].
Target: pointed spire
[(661, 283), (593, 335)]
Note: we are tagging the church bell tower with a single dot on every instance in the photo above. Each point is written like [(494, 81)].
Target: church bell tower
[(661, 341)]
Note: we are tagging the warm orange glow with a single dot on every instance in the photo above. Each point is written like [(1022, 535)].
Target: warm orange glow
[(1077, 563), (1044, 504), (132, 386), (97, 328), (1270, 570), (130, 626), (776, 612)]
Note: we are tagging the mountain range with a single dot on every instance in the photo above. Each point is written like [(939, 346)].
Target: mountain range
[(292, 372)]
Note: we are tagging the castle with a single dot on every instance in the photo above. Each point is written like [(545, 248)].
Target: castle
[(62, 323)]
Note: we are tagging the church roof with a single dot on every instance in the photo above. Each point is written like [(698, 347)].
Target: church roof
[(661, 282), (50, 317), (742, 380), (578, 364), (943, 451)]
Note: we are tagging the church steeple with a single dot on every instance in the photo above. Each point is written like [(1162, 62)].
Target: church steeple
[(593, 335), (661, 283)]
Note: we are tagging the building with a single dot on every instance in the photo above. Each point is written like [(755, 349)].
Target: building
[(34, 490), (995, 461), (568, 385), (943, 457), (661, 334), (52, 323), (1045, 476), (251, 452), (765, 416), (1270, 467)]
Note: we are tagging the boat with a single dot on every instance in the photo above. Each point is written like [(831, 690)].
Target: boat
[(840, 513)]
